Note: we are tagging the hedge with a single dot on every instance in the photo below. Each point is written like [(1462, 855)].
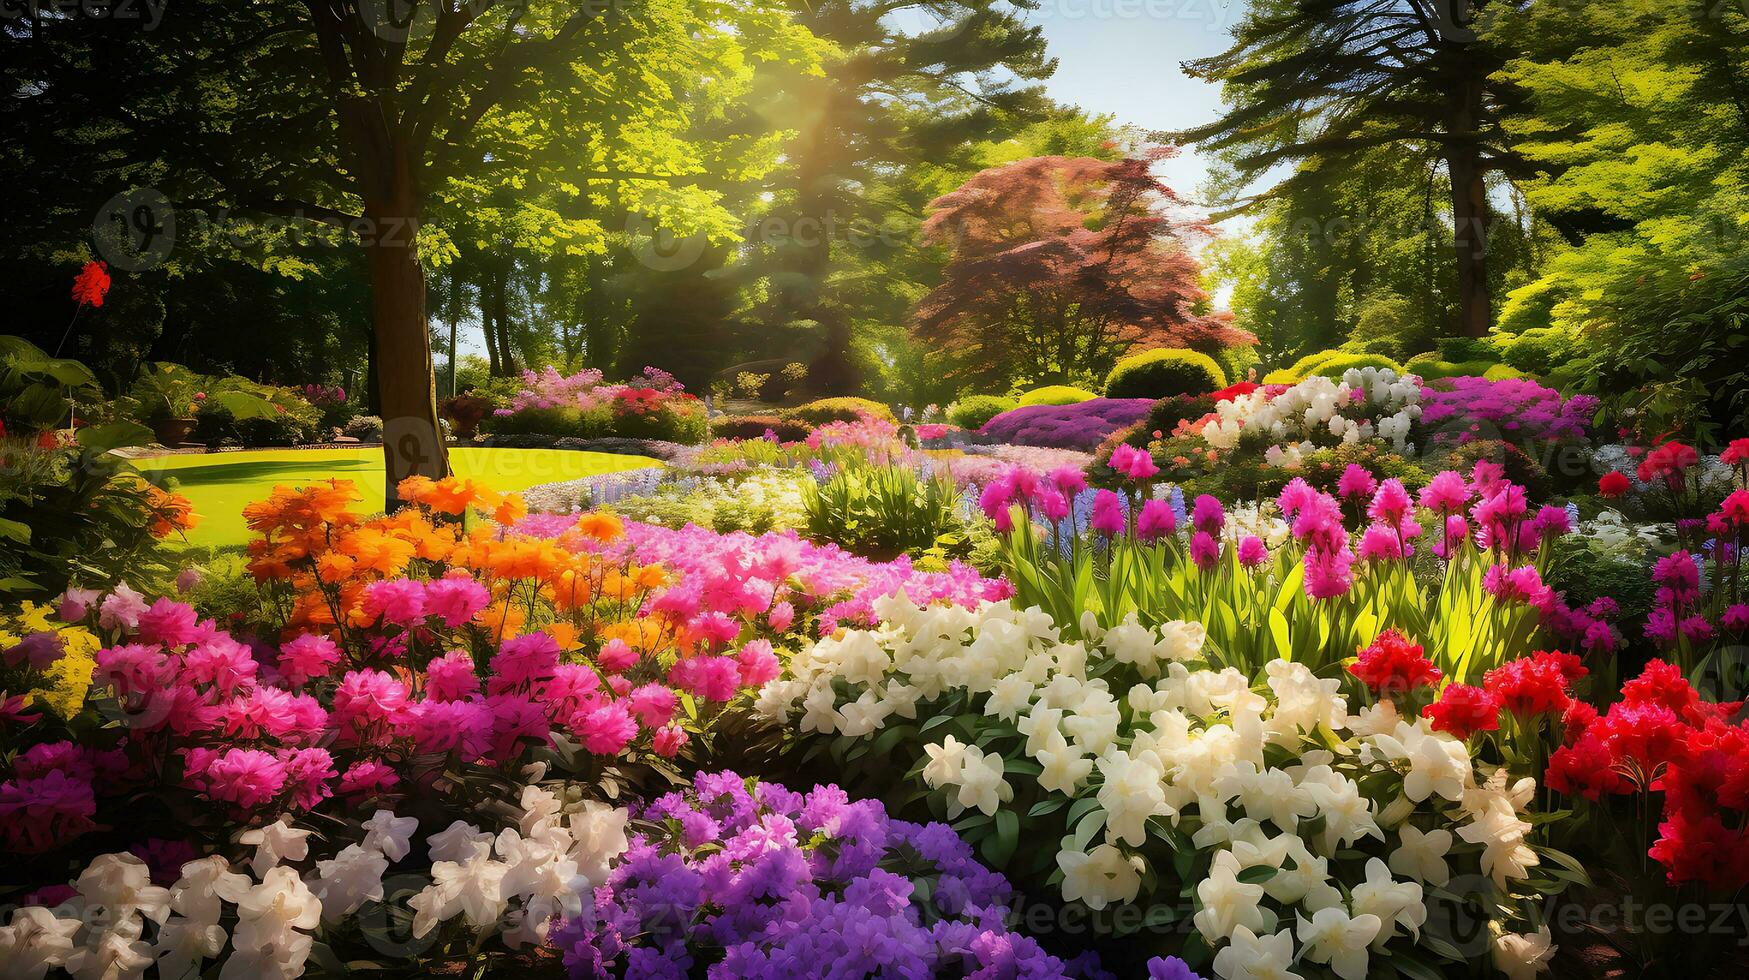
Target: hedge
[(1164, 372)]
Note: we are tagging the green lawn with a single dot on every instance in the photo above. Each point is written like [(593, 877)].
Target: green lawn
[(220, 484)]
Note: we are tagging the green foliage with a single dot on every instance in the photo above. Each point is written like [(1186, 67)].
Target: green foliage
[(884, 511), (840, 410), (1055, 395), (1331, 363), (972, 411), (1432, 368), (1164, 372), (39, 392), (1390, 324), (676, 420), (755, 427), (1539, 350), (1237, 361), (1520, 467), (766, 499), (76, 516)]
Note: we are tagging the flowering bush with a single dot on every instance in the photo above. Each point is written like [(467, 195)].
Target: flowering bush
[(740, 878), (1158, 772), (1286, 424), (650, 405), (1080, 425), (1516, 410)]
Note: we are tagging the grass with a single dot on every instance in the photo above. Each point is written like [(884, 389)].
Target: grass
[(220, 484)]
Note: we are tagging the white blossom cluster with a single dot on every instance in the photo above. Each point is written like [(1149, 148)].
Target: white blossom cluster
[(1136, 720), (1368, 403), (512, 883)]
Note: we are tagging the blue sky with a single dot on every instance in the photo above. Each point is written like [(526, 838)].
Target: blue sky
[(1122, 57)]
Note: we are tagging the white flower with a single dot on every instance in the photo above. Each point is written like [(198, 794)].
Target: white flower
[(353, 877), (473, 889), (1064, 768), (1100, 877), (540, 809), (1438, 764), (1523, 956), (1228, 904), (946, 761), (461, 842), (1130, 794), (276, 842), (113, 954), (1010, 696), (269, 913), (1395, 903), (1347, 813), (184, 945), (122, 884), (199, 888), (819, 710), (864, 715), (1332, 937), (1422, 855), (34, 942), (1252, 957), (1505, 856), (600, 833), (982, 787), (392, 835)]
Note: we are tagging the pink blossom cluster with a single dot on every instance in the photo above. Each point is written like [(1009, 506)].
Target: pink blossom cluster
[(778, 576), (1513, 409), (260, 728), (547, 388)]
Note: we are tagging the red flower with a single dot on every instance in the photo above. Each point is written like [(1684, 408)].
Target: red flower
[(1586, 769), (1240, 389), (91, 284), (1463, 710), (1661, 684), (1737, 452), (1614, 484), (1668, 461), (1530, 686), (1393, 666)]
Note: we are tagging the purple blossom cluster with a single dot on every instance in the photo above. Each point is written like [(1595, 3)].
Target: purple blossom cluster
[(1082, 426), (1512, 409), (739, 879)]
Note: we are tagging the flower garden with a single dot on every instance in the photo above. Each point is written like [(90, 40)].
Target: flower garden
[(1356, 676), (798, 489)]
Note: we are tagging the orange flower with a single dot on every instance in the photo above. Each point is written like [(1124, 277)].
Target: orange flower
[(511, 510), (601, 526), (376, 551)]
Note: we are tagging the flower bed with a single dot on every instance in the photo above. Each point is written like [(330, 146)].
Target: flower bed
[(1080, 425)]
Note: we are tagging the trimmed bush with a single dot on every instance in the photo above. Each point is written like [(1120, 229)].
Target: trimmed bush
[(1164, 372), (557, 422), (1336, 366), (1462, 349), (1237, 362), (1056, 395), (1501, 372), (840, 410), (972, 411), (1432, 368), (755, 427), (1539, 350), (1079, 426)]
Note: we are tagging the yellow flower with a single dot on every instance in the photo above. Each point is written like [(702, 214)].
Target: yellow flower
[(62, 687)]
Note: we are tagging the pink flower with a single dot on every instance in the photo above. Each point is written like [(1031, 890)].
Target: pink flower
[(523, 660), (1391, 504), (1446, 492), (366, 779), (1068, 480), (607, 730), (307, 773), (517, 721), (1206, 515), (1328, 572), (451, 677), (188, 579), (249, 778), (1252, 551), (1205, 550), (1156, 520), (1135, 464), (1356, 481), (652, 704), (1052, 505), (782, 617), (37, 815), (75, 604), (758, 663), (121, 608), (366, 698), (400, 602), (616, 656), (1108, 515), (669, 740), (306, 657), (1380, 543), (711, 678), (455, 599)]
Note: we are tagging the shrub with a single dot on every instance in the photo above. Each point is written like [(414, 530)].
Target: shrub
[(465, 412), (1539, 350), (558, 421), (1341, 361), (756, 426), (840, 410), (1056, 395), (1468, 349), (1236, 362), (1501, 372), (1164, 372), (1520, 467), (972, 411), (1431, 367), (1079, 426), (364, 428), (884, 511)]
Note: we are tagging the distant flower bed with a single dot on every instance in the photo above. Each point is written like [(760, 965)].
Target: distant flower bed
[(649, 405), (1080, 426)]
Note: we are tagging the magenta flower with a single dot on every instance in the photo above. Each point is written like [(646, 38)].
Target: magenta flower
[(1156, 520), (1252, 551), (1446, 492), (1207, 515), (1108, 516), (1205, 550), (1356, 481)]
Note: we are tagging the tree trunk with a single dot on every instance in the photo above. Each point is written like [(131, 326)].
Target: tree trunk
[(1470, 214), (412, 438)]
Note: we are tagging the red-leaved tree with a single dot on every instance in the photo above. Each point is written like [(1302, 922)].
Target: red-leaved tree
[(1060, 265)]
